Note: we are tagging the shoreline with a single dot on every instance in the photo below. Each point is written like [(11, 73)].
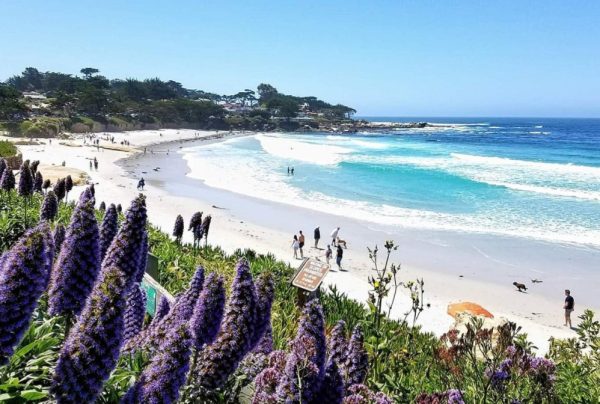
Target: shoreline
[(170, 192)]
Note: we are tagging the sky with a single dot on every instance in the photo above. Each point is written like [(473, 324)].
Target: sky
[(384, 58)]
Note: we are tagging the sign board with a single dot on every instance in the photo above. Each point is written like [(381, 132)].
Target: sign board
[(310, 274), (154, 291), (150, 297)]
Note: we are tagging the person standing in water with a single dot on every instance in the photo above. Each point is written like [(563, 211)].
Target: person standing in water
[(338, 257), (569, 307), (295, 246), (292, 171), (317, 236)]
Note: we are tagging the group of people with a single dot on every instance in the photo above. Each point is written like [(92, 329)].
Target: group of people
[(290, 170), (93, 164), (299, 241)]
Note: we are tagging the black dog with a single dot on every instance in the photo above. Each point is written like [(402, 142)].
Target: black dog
[(520, 287)]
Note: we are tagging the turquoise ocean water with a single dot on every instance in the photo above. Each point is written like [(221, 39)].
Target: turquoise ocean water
[(532, 178)]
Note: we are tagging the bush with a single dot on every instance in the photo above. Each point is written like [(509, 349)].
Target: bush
[(7, 149)]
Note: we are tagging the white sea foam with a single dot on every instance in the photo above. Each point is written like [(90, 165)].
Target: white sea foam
[(310, 152), (220, 167)]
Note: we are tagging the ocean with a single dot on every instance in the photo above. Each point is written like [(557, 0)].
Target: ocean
[(524, 178)]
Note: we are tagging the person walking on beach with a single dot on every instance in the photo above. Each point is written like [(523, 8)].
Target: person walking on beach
[(328, 254), (295, 246), (91, 165), (317, 236), (338, 257), (569, 307), (141, 184), (288, 171), (301, 243), (95, 164), (334, 236)]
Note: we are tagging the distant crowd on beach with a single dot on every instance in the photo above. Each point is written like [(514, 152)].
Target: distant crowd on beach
[(299, 241)]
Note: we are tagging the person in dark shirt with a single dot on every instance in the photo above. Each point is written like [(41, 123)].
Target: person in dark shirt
[(569, 307), (338, 257), (317, 236)]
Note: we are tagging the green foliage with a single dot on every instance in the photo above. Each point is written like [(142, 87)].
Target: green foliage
[(7, 149)]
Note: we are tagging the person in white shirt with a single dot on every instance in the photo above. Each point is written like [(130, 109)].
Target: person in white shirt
[(295, 246), (334, 235)]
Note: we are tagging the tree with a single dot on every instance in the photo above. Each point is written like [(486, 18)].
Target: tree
[(11, 106), (266, 92), (89, 71)]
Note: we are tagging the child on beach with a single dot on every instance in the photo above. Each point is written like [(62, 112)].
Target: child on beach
[(301, 244), (328, 254), (295, 246)]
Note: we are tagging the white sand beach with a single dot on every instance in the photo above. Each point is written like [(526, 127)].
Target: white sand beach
[(245, 222)]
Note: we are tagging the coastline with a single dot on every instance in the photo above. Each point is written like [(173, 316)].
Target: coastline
[(246, 222)]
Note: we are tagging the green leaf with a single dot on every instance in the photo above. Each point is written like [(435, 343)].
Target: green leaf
[(33, 395)]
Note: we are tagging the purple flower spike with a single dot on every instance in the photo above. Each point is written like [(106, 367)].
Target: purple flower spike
[(143, 260), (265, 386), (208, 312), (46, 184), (125, 250), (234, 340), (301, 379), (337, 343), (38, 182), (265, 292), (161, 311), (108, 229), (34, 167), (91, 349), (178, 228), (206, 226), (312, 324), (25, 180), (78, 262), (7, 182), (332, 387), (59, 236), (265, 345), (24, 274), (60, 189), (135, 311), (162, 379), (357, 360), (102, 207), (195, 221), (182, 311), (3, 166), (68, 184), (49, 208)]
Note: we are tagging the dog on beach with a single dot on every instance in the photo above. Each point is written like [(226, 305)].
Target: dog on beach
[(342, 242), (520, 287)]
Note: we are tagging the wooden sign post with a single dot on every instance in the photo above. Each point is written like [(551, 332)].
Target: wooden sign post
[(308, 278)]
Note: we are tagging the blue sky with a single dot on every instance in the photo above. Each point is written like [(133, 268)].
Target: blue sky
[(408, 58)]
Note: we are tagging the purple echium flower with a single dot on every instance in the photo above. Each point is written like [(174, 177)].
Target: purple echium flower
[(68, 184), (312, 324), (24, 274), (38, 181), (359, 394), (3, 166), (301, 378), (34, 167), (337, 343), (119, 208), (162, 379), (102, 207), (46, 184), (125, 250), (178, 228), (49, 207), (265, 345), (91, 349), (139, 275), (78, 262), (265, 386), (135, 310), (108, 229), (357, 360), (265, 292), (455, 397), (332, 387), (59, 236), (208, 312), (220, 359), (182, 310), (161, 310), (7, 182), (60, 189), (195, 221), (25, 180), (206, 226)]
